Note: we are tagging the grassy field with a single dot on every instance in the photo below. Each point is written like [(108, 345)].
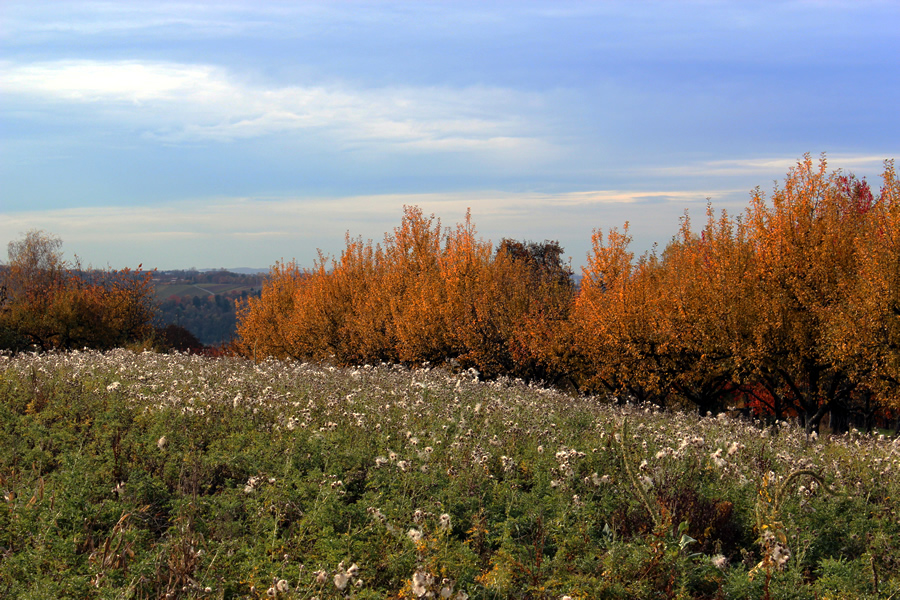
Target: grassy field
[(166, 290), (151, 476)]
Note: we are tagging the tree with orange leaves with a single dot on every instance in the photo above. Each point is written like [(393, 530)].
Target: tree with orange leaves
[(807, 264), (863, 331), (424, 294), (794, 302), (48, 303)]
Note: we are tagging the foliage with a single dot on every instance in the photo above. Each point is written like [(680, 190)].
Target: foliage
[(49, 303), (423, 295), (791, 309), (150, 476), (793, 305)]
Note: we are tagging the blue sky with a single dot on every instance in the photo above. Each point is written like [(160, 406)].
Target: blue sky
[(234, 134)]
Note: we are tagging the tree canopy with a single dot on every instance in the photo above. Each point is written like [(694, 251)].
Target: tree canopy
[(791, 308), (49, 303)]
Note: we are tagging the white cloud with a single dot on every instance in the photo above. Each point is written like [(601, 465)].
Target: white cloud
[(770, 166), (175, 103), (125, 81), (257, 232)]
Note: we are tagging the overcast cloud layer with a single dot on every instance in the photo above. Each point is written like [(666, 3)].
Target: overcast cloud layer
[(236, 134)]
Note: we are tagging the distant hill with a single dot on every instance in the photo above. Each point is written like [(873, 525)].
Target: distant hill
[(203, 302), (241, 270)]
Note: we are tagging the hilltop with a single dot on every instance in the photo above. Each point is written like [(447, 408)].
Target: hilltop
[(203, 302)]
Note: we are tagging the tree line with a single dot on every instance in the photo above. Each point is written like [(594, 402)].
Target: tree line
[(792, 307), (210, 318)]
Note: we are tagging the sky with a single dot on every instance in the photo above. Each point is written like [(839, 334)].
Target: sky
[(236, 134)]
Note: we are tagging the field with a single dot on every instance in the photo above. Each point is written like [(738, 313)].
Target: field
[(153, 476), (164, 291)]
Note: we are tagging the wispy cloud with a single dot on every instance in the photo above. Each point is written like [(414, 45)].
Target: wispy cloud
[(260, 230), (183, 103), (774, 166)]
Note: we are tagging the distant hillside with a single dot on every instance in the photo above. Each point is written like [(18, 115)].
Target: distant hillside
[(203, 302)]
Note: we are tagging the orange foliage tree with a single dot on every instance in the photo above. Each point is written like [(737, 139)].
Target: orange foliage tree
[(425, 294), (48, 303), (792, 306), (863, 335), (795, 303)]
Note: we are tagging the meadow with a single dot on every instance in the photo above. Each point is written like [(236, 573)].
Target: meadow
[(144, 475)]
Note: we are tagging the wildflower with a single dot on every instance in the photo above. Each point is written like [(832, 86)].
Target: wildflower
[(321, 576), (161, 442), (282, 586), (420, 583), (271, 592), (113, 386), (780, 555), (719, 561), (717, 458), (414, 534), (340, 580), (444, 521)]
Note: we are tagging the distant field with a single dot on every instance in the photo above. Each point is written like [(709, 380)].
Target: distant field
[(163, 291)]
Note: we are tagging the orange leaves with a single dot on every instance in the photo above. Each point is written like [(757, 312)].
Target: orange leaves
[(423, 294), (795, 296), (51, 304), (799, 296)]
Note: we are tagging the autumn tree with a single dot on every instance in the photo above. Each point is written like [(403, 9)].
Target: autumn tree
[(607, 318), (49, 303), (423, 294), (793, 304), (806, 264), (540, 341), (863, 331)]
